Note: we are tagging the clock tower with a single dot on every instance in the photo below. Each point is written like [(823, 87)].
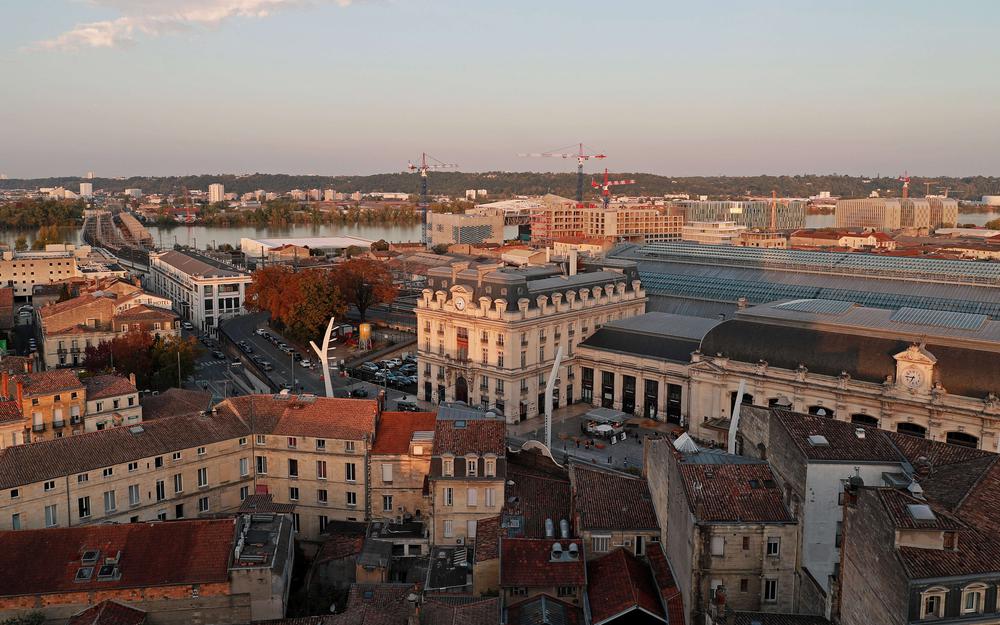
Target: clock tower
[(915, 370)]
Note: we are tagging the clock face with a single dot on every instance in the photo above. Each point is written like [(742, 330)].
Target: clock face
[(913, 378), (459, 303)]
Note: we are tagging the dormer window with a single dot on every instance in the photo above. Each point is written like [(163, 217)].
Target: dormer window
[(491, 467), (973, 598), (471, 466), (448, 467), (932, 603)]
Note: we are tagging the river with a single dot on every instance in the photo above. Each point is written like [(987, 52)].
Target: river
[(202, 236)]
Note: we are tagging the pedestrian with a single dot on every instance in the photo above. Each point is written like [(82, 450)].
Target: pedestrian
[(626, 463), (578, 443), (609, 459)]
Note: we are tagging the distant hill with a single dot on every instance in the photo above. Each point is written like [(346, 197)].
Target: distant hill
[(506, 184)]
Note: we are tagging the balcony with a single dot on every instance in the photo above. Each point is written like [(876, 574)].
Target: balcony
[(440, 375), (558, 336), (541, 339), (524, 342), (440, 332), (38, 427), (484, 339), (499, 342), (58, 424), (484, 388), (74, 350), (570, 375), (61, 350), (572, 332)]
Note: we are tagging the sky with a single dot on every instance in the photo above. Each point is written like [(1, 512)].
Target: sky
[(723, 87)]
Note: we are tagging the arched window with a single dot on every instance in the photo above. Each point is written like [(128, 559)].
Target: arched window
[(963, 439), (912, 429), (821, 411), (863, 419), (973, 598), (932, 602)]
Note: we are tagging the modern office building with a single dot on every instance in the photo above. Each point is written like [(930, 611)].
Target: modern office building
[(476, 229), (788, 214), (944, 212), (712, 232), (204, 291), (914, 212), (216, 193), (559, 218), (874, 213)]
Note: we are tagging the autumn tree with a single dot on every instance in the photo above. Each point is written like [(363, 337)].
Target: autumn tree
[(21, 243), (130, 353), (167, 354), (364, 283), (274, 289), (319, 299)]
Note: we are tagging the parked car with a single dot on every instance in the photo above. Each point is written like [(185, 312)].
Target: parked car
[(218, 355), (359, 392), (408, 369), (297, 357), (260, 331), (266, 366), (407, 406), (368, 366), (187, 325), (306, 363)]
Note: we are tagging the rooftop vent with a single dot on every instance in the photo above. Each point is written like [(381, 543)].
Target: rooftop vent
[(921, 512), (859, 432), (574, 551), (136, 429), (818, 440)]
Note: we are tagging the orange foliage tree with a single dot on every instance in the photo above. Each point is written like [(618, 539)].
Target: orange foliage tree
[(364, 283)]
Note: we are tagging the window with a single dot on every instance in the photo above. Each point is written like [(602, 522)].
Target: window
[(387, 472), (746, 543), (51, 516), (244, 493), (15, 493), (472, 497), (293, 467), (203, 504), (50, 485), (448, 466), (179, 511), (519, 592), (320, 444), (718, 545), (158, 462), (262, 465), (352, 499), (932, 602), (490, 497), (110, 505), (566, 591), (178, 483), (773, 546), (349, 447), (82, 477), (500, 359), (640, 545), (387, 503), (973, 597), (471, 466), (261, 439), (418, 450), (161, 490), (350, 472), (744, 585), (244, 467), (133, 495), (491, 467), (321, 469), (176, 456), (601, 543), (133, 466), (449, 529), (293, 493), (201, 451), (84, 507), (293, 442), (15, 521), (202, 478), (770, 590), (321, 496), (243, 441), (449, 496), (840, 534)]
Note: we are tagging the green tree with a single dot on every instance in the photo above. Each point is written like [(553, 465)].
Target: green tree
[(993, 225), (440, 249), (21, 243), (31, 618), (167, 354)]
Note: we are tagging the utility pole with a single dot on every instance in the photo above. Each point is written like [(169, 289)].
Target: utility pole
[(179, 385)]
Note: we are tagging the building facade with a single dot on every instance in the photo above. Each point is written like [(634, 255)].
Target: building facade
[(23, 270), (788, 214), (488, 336), (400, 460), (872, 213), (713, 232), (452, 228), (914, 212), (204, 291)]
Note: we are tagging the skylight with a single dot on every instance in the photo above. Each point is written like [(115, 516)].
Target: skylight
[(818, 440)]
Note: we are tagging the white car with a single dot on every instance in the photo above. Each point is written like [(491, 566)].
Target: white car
[(306, 363), (187, 326), (260, 331)]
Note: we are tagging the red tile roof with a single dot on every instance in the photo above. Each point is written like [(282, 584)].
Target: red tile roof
[(619, 582), (395, 431), (488, 533), (476, 612), (527, 562), (375, 604), (609, 500), (896, 503), (174, 402), (663, 577), (315, 417), (540, 490), (152, 554), (109, 612), (101, 386), (542, 610), (734, 492), (843, 442), (10, 412), (480, 436), (46, 382)]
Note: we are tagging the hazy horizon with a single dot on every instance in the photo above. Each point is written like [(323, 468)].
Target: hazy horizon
[(162, 87)]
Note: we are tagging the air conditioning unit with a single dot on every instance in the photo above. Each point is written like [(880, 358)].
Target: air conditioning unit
[(459, 541)]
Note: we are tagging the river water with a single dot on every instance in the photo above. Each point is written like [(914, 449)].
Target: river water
[(202, 236)]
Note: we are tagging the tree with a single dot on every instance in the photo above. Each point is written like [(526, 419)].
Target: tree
[(364, 283), (440, 249), (47, 235), (21, 243), (129, 353), (380, 246), (166, 353), (993, 225), (274, 289), (319, 299), (65, 293), (31, 618)]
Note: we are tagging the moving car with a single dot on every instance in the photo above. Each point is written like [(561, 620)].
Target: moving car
[(218, 355)]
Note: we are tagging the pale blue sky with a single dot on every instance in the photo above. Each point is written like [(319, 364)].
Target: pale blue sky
[(681, 88)]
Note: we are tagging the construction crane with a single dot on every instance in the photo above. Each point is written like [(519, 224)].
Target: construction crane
[(423, 168), (580, 157), (605, 186), (927, 186), (905, 179)]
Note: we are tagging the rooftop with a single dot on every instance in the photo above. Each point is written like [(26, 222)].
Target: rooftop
[(659, 335), (537, 489), (396, 429), (450, 568), (611, 500), (305, 415), (544, 610), (488, 539), (618, 583), (109, 612), (47, 382), (101, 386), (173, 402), (824, 439), (480, 436), (479, 611), (541, 562), (198, 265), (734, 492)]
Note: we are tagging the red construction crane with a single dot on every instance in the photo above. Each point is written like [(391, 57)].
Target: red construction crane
[(905, 179), (605, 186), (580, 157), (423, 167)]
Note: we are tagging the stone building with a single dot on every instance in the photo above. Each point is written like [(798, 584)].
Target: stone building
[(401, 460), (52, 403), (204, 291), (612, 509), (488, 336)]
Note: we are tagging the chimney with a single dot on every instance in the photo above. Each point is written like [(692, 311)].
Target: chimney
[(741, 303), (20, 392), (550, 530), (548, 254), (859, 432), (29, 366), (3, 383), (131, 378), (572, 262)]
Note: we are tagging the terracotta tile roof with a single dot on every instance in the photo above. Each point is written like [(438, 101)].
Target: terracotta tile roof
[(527, 562), (609, 500), (340, 546), (488, 539), (480, 436), (477, 612), (541, 490), (976, 554), (843, 443), (36, 462), (152, 554), (734, 492), (375, 604), (395, 431), (142, 312), (174, 402), (265, 503), (980, 507), (314, 417), (938, 453), (896, 503), (768, 618), (101, 386), (109, 612), (15, 364), (10, 411), (618, 582), (663, 578), (47, 382), (544, 610)]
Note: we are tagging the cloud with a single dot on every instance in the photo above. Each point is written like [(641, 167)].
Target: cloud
[(153, 18)]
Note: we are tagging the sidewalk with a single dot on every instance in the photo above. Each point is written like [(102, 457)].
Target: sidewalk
[(558, 416)]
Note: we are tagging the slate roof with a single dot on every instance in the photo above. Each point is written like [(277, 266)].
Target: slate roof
[(395, 431), (609, 500), (527, 562), (619, 582), (478, 612), (152, 554), (479, 436), (734, 492), (844, 444), (109, 612), (101, 386)]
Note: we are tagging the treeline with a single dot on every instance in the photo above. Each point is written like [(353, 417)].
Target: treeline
[(506, 184), (282, 212), (35, 213)]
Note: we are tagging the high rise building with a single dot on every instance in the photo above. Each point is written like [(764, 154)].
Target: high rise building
[(788, 214), (86, 189), (873, 212), (914, 213), (216, 193)]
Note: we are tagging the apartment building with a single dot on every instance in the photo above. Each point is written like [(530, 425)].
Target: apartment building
[(557, 217), (787, 214), (204, 291), (872, 213), (467, 473), (23, 270), (400, 460), (726, 529), (713, 232), (150, 572), (52, 403), (112, 401), (837, 238), (103, 310), (488, 335), (452, 228), (612, 509), (632, 223)]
